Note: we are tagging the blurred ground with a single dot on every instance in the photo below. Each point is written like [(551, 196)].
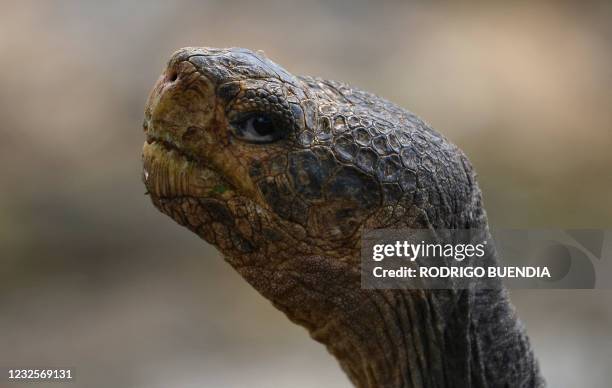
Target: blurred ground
[(94, 278)]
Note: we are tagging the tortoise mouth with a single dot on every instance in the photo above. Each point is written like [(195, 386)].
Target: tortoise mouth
[(168, 172)]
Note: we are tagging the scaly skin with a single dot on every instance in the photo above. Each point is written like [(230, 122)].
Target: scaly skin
[(287, 214)]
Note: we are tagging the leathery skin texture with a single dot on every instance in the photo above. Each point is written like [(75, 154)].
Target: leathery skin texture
[(282, 173)]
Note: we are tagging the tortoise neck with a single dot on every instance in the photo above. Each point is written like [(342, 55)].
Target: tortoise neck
[(395, 339), (401, 338), (442, 338), (426, 338)]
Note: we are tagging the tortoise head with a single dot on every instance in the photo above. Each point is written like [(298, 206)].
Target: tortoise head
[(281, 173), (258, 161)]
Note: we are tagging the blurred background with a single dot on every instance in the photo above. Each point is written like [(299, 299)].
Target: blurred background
[(94, 278)]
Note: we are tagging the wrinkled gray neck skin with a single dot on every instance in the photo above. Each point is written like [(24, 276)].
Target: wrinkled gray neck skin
[(291, 220), (402, 338)]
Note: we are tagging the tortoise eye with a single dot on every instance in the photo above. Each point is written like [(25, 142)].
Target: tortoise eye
[(262, 125), (257, 128)]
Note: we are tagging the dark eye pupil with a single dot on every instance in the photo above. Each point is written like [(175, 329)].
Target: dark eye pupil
[(263, 125), (259, 128)]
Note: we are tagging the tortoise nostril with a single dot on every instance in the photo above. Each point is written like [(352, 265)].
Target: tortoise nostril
[(173, 75)]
